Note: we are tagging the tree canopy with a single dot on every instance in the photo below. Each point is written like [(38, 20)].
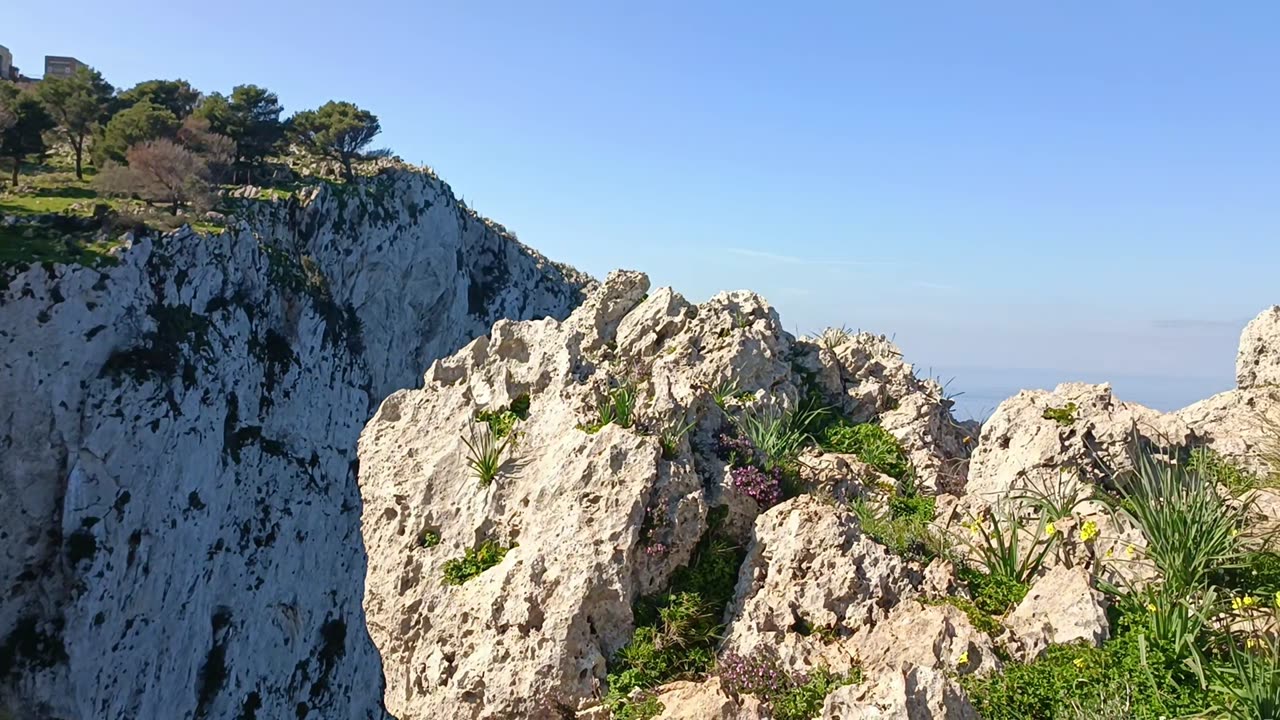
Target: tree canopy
[(25, 135), (78, 103), (251, 118), (338, 130), (160, 171), (142, 122), (176, 96)]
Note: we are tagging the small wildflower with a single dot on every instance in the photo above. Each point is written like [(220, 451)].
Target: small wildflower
[(1088, 531), (1130, 551), (1277, 599), (1050, 529), (1151, 607), (1244, 603), (764, 488), (1110, 552), (1251, 643), (963, 659), (1079, 663)]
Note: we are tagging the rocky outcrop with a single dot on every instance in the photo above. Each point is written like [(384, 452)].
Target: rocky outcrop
[(177, 447), (811, 575), (1038, 440), (909, 693), (597, 519), (1258, 361)]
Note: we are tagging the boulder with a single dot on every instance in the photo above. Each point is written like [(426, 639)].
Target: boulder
[(910, 692), (1061, 607), (811, 575)]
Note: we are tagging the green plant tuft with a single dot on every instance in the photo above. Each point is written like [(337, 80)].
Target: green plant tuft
[(474, 562), (1065, 415), (617, 408), (872, 444), (485, 451), (503, 422), (428, 538)]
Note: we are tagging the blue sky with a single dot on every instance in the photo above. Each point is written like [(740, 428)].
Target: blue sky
[(1018, 192)]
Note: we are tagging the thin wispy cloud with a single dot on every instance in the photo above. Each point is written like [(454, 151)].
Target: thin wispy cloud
[(1195, 324), (796, 260)]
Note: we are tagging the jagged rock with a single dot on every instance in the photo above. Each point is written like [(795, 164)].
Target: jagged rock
[(907, 693), (705, 701), (936, 636), (534, 633), (1061, 607), (1235, 424), (810, 573), (178, 461), (1258, 361), (1023, 446), (868, 374)]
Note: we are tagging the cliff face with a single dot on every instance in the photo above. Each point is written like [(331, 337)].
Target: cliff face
[(180, 516)]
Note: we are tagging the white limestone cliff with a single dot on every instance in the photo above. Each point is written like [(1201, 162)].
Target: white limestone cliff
[(178, 476)]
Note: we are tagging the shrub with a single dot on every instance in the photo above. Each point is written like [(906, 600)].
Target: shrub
[(1213, 466), (797, 696), (641, 709), (502, 422), (907, 534), (735, 449), (763, 487), (485, 452), (428, 538), (474, 562), (1082, 681), (992, 594), (1065, 415), (872, 444), (677, 630)]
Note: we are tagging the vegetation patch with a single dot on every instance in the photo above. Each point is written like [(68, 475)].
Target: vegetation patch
[(474, 562), (161, 354), (677, 630), (1065, 415), (790, 696), (502, 422), (617, 407), (872, 444), (1220, 469)]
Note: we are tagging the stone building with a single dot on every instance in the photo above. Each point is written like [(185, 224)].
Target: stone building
[(59, 66)]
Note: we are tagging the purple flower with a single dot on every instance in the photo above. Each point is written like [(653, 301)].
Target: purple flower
[(734, 449), (655, 550), (764, 488)]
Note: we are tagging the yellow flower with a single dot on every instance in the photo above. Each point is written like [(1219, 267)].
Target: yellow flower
[(1050, 529), (963, 659), (1251, 643), (1151, 607), (1242, 603), (1088, 531), (1110, 552), (1129, 551), (1079, 662), (1278, 599)]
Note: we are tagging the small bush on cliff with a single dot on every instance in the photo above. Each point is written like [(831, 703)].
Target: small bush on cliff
[(677, 631), (872, 444), (502, 422), (790, 696), (474, 562), (778, 434)]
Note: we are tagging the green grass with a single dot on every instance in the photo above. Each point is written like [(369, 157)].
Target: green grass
[(486, 451), (46, 246), (474, 562), (780, 435), (1216, 467), (677, 630), (639, 709), (872, 444), (979, 618), (992, 594)]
